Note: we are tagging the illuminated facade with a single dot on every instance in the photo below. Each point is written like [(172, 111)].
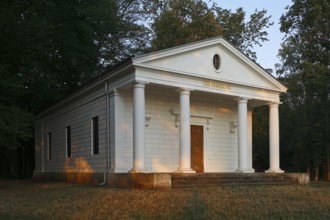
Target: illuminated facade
[(185, 109)]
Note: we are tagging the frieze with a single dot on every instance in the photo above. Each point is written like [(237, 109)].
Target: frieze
[(218, 85)]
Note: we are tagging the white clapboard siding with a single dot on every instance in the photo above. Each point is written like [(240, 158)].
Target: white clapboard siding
[(161, 133), (78, 115)]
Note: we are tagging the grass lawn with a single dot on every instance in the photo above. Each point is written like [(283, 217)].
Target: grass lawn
[(29, 200)]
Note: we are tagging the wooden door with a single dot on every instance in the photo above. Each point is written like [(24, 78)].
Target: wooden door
[(197, 145)]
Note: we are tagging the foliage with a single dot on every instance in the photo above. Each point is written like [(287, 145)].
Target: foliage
[(260, 138), (49, 48), (180, 22), (305, 69), (244, 35), (55, 46), (183, 22)]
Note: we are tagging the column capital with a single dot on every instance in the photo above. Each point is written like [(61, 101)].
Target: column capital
[(184, 91), (139, 84), (113, 92), (242, 99), (274, 104)]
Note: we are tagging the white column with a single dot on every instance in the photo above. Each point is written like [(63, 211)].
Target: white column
[(117, 133), (250, 151), (138, 127), (274, 139), (184, 130), (243, 136)]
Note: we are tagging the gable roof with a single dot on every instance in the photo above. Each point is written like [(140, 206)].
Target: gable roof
[(178, 54), (195, 59)]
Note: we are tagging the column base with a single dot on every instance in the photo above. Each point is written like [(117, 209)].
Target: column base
[(118, 170), (137, 171), (245, 171), (274, 171), (186, 170)]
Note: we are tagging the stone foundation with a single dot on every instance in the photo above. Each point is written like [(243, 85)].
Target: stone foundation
[(164, 180), (140, 180), (302, 178)]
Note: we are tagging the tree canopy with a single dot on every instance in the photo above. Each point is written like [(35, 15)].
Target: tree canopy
[(49, 48), (180, 22), (305, 68)]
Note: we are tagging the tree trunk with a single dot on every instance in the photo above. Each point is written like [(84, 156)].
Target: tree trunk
[(328, 162), (316, 178), (308, 168)]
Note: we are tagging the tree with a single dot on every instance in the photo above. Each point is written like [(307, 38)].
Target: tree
[(49, 48), (306, 70), (244, 35), (180, 22), (260, 138), (183, 22)]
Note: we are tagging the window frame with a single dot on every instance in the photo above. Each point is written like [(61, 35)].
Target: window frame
[(217, 62), (49, 145), (68, 141), (95, 135)]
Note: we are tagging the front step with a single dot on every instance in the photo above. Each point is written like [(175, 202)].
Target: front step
[(217, 179)]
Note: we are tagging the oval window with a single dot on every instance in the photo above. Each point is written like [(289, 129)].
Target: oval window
[(216, 62)]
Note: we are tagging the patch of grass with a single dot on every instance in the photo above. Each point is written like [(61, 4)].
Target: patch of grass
[(29, 200), (195, 207)]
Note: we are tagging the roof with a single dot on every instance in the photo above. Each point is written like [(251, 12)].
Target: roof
[(133, 60)]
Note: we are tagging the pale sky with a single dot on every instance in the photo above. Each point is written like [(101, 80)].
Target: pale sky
[(267, 54)]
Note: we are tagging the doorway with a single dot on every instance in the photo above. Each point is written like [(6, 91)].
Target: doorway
[(197, 148)]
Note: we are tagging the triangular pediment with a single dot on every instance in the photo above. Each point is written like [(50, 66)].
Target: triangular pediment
[(196, 59)]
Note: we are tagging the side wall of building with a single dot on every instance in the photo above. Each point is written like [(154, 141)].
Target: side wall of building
[(78, 115)]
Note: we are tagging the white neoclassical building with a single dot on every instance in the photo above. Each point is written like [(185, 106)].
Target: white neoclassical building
[(185, 109)]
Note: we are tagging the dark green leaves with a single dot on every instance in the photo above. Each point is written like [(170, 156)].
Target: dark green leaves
[(181, 22), (305, 69)]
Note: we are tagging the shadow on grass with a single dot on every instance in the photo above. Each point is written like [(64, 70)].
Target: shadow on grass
[(195, 208), (320, 184)]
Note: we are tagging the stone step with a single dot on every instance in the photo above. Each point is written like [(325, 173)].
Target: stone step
[(189, 180), (228, 180)]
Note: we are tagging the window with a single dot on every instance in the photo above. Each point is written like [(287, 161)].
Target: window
[(216, 62), (95, 135), (49, 145), (68, 141)]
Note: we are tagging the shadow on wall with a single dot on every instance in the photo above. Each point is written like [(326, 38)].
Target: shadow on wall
[(78, 170)]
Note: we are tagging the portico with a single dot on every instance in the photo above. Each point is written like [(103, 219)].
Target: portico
[(243, 131)]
